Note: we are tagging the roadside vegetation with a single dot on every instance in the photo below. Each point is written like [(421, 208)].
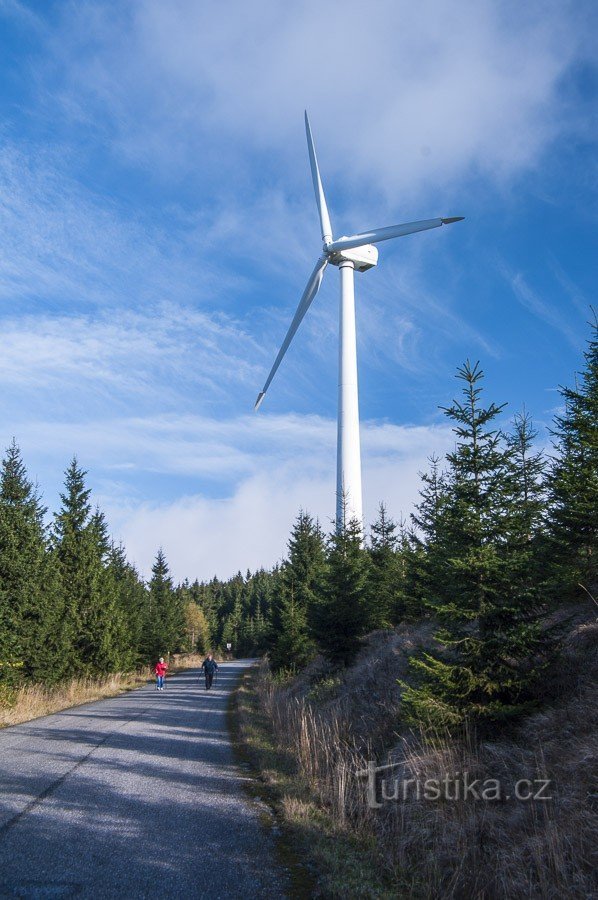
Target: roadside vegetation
[(311, 734), (324, 858), (77, 622), (462, 642), (30, 701)]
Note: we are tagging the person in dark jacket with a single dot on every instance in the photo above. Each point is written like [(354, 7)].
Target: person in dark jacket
[(210, 667)]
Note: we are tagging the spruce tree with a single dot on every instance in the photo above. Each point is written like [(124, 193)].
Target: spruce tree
[(300, 581), (31, 640), (573, 486), (525, 511), (132, 601), (206, 596), (92, 619), (387, 577), (232, 630), (527, 468), (98, 529), (486, 660), (165, 629), (426, 549), (470, 524), (340, 615)]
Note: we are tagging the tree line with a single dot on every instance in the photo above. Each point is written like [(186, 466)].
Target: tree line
[(502, 535), (72, 605)]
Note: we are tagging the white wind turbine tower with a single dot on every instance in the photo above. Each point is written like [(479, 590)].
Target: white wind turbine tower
[(349, 254)]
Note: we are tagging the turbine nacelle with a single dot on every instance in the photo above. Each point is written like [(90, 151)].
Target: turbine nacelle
[(363, 258)]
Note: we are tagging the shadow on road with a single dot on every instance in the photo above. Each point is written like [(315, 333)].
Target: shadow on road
[(130, 796)]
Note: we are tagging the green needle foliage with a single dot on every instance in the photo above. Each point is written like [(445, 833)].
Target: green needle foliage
[(32, 643), (388, 575), (92, 618), (340, 615), (479, 522), (301, 579), (573, 486), (70, 602), (165, 624)]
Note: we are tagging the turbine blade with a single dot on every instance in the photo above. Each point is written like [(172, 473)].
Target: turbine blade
[(311, 289), (385, 234), (318, 189)]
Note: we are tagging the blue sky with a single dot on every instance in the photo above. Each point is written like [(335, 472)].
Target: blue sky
[(158, 226)]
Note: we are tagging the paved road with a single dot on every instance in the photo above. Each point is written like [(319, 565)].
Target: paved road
[(137, 796)]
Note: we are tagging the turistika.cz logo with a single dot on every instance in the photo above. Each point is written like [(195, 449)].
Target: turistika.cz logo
[(457, 786)]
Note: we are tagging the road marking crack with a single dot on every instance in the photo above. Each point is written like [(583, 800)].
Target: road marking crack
[(37, 801)]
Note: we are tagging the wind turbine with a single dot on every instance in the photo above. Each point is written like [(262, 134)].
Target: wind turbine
[(356, 252)]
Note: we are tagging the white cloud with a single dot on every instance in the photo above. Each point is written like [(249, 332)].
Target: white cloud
[(422, 94), (129, 364), (289, 464), (204, 536), (233, 486)]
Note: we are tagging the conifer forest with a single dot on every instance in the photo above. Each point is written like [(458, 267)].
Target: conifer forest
[(505, 532)]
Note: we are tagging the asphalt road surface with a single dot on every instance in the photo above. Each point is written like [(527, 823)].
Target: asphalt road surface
[(137, 796)]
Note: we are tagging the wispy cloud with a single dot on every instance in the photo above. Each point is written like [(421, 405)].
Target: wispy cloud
[(163, 356), (290, 465), (538, 306), (66, 246), (158, 228), (573, 292)]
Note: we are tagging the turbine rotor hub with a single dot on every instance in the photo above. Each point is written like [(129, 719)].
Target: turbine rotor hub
[(363, 258)]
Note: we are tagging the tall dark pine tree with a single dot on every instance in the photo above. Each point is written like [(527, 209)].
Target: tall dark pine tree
[(300, 580), (257, 606), (165, 628), (426, 569), (132, 601), (573, 486), (92, 618), (340, 616), (525, 512), (98, 529), (528, 470), (387, 576), (232, 629), (31, 644), (486, 662)]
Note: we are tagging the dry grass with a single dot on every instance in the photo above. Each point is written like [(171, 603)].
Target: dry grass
[(32, 701), (324, 860), (332, 726), (181, 661)]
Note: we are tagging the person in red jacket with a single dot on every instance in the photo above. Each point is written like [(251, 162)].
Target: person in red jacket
[(160, 671)]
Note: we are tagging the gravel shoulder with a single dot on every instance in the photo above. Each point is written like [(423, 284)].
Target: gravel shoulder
[(133, 796)]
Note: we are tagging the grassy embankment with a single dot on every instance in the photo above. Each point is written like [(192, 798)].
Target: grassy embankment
[(35, 700), (310, 735), (324, 857)]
